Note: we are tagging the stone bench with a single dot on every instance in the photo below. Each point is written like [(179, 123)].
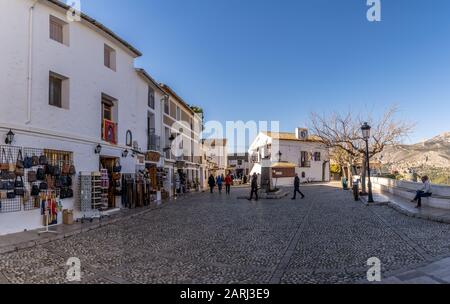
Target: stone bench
[(439, 199)]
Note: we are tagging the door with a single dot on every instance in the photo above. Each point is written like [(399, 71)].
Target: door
[(108, 163)]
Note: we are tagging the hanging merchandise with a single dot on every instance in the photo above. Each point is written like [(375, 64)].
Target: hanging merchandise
[(3, 160), (117, 167)]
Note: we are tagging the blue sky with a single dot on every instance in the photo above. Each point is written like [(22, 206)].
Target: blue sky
[(280, 60)]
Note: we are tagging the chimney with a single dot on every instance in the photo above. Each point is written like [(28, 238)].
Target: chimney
[(301, 133)]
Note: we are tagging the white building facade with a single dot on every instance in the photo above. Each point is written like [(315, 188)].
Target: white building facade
[(301, 154), (70, 90)]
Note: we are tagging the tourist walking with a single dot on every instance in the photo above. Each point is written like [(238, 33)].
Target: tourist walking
[(228, 183), (297, 188), (254, 186), (425, 191), (220, 183), (211, 183)]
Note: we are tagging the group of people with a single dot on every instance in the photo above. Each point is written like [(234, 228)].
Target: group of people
[(228, 181), (219, 182)]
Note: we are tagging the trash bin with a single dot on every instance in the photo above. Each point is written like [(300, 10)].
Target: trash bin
[(356, 190), (344, 183)]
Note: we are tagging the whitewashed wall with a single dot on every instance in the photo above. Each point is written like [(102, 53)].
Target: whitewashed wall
[(77, 129)]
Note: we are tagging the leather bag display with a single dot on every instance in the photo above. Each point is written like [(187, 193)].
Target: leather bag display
[(11, 195), (35, 190), (11, 164), (117, 167), (43, 160), (28, 162), (35, 161), (72, 170), (40, 174), (3, 160), (32, 176), (18, 183)]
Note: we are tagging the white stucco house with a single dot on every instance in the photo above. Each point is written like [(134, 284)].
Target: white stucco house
[(63, 85), (301, 154)]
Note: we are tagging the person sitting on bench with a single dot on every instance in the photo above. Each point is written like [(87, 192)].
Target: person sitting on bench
[(425, 191)]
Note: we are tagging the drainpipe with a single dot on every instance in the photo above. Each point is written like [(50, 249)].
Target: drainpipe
[(30, 63)]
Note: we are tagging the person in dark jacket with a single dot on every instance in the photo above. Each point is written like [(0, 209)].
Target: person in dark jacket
[(211, 183), (254, 187), (297, 187)]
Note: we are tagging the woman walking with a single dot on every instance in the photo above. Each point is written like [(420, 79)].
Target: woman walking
[(228, 182)]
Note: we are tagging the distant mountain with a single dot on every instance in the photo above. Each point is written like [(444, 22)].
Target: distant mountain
[(433, 153)]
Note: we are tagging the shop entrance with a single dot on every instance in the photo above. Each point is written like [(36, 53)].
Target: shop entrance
[(109, 163)]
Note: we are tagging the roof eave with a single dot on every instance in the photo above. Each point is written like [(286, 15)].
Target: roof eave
[(136, 53)]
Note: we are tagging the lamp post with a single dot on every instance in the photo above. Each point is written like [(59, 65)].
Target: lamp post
[(366, 135), (9, 137), (279, 156)]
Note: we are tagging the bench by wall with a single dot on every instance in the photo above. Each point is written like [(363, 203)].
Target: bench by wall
[(407, 190)]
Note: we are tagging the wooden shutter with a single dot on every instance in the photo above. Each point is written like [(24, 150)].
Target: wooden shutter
[(56, 31), (55, 91)]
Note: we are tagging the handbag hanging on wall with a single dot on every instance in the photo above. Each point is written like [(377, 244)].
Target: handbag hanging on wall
[(28, 162), (3, 160), (32, 176), (18, 183), (35, 160), (10, 160), (117, 167), (43, 160), (72, 170), (35, 190), (40, 174)]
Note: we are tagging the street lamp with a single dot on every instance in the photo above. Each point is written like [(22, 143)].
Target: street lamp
[(98, 149), (366, 136), (279, 156), (125, 154), (9, 137)]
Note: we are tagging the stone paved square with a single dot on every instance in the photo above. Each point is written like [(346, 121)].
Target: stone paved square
[(212, 238)]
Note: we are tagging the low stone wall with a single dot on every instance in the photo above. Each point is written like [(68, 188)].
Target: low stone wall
[(405, 189)]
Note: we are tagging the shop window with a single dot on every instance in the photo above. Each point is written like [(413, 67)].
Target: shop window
[(59, 30), (58, 95), (110, 57)]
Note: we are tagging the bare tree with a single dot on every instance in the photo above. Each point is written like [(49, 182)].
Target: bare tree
[(342, 134)]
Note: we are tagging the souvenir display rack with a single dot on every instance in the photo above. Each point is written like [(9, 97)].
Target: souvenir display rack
[(9, 154)]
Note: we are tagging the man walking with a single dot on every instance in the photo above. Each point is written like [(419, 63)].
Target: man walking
[(228, 182), (254, 187), (297, 188), (211, 183)]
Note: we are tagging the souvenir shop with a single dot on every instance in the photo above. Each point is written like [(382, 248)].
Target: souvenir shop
[(33, 185)]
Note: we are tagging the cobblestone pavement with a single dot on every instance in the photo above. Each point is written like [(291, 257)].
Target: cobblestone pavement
[(204, 238)]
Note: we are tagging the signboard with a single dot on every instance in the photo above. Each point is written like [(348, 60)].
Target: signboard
[(152, 157), (283, 172)]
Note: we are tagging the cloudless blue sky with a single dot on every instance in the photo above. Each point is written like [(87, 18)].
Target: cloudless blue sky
[(280, 60)]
